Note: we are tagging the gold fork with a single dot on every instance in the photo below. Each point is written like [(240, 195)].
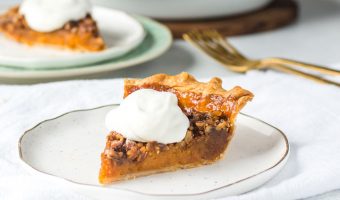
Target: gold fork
[(212, 43)]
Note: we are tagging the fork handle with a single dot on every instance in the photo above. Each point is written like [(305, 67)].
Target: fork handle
[(290, 62), (290, 70)]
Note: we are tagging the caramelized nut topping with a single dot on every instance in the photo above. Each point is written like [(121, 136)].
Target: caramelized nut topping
[(200, 124)]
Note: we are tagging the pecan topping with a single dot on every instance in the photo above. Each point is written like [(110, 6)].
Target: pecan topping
[(131, 151)]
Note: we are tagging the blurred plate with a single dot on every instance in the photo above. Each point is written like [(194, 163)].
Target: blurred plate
[(121, 33), (184, 10), (67, 149), (158, 39)]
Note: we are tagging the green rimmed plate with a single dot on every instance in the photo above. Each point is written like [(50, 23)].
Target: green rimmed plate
[(121, 33), (157, 40)]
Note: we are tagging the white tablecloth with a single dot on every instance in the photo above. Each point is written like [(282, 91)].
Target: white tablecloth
[(309, 113)]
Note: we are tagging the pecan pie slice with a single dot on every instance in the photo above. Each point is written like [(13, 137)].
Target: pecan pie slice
[(82, 35), (211, 111)]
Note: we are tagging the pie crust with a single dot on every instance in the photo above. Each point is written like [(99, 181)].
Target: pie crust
[(82, 35), (211, 111)]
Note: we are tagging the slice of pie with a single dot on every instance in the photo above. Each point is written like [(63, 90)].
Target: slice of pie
[(211, 111), (82, 35)]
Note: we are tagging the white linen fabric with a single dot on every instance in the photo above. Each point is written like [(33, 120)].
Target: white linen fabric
[(309, 113)]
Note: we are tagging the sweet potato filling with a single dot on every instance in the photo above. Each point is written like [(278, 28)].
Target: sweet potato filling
[(205, 139)]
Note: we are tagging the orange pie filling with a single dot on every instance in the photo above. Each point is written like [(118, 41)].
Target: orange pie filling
[(211, 116)]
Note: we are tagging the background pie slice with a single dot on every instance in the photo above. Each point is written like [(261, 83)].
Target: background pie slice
[(211, 111), (82, 35)]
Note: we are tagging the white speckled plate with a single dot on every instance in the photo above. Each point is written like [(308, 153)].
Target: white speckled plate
[(121, 33), (68, 148)]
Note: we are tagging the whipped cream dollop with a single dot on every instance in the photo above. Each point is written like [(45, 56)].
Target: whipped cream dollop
[(147, 115), (51, 15)]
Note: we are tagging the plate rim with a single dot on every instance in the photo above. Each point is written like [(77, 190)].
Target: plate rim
[(38, 63), (27, 165), (92, 69)]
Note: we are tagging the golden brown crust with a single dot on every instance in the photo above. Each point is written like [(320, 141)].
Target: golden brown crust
[(81, 35), (187, 83), (206, 94)]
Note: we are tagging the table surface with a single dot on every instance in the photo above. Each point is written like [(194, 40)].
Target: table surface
[(314, 37)]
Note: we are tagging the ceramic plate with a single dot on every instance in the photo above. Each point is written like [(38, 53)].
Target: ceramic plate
[(121, 33), (157, 40), (68, 148), (184, 10)]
